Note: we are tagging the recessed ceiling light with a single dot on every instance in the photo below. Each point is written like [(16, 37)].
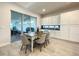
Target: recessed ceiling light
[(43, 10)]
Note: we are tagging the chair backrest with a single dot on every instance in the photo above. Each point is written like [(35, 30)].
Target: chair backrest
[(24, 39), (39, 33), (42, 39)]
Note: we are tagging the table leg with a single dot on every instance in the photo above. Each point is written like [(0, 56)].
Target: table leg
[(31, 44)]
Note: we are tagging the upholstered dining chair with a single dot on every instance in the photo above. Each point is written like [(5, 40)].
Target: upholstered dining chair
[(25, 43), (47, 39), (41, 41)]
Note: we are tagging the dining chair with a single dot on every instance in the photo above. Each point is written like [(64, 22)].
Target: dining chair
[(25, 43), (41, 41), (47, 39)]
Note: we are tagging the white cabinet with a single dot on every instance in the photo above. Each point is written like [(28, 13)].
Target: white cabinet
[(70, 17), (51, 20), (74, 33)]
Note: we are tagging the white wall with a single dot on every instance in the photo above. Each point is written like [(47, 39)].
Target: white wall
[(5, 19), (69, 22)]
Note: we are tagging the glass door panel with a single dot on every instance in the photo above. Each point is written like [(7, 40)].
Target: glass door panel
[(15, 26), (26, 23), (33, 24)]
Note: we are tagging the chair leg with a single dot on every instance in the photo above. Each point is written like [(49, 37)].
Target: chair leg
[(45, 45), (48, 41), (40, 49), (26, 49), (21, 47)]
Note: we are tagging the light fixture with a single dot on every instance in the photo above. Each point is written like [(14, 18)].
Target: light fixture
[(43, 10)]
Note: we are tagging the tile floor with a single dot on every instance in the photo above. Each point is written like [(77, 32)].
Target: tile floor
[(55, 48)]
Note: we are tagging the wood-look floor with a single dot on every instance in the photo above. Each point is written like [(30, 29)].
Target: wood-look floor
[(55, 48)]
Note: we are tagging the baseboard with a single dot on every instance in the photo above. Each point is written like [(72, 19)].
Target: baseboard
[(1, 45), (65, 40)]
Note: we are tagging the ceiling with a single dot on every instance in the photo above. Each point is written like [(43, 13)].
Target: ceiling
[(50, 7)]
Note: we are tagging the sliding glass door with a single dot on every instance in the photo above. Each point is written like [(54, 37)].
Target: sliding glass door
[(15, 26), (21, 23)]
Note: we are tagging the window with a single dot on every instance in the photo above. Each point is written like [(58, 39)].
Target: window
[(22, 22)]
